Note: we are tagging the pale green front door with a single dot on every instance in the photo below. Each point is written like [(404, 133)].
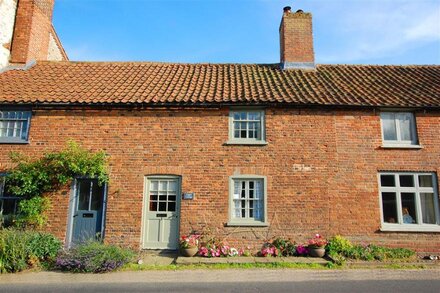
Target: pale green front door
[(161, 212)]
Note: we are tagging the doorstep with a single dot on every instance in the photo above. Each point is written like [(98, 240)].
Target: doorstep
[(242, 260)]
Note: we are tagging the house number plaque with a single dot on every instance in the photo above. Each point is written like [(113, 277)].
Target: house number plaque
[(188, 195)]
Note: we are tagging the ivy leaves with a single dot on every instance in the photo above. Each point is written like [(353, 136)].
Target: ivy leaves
[(32, 178)]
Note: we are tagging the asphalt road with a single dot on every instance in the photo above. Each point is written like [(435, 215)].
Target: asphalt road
[(414, 281)]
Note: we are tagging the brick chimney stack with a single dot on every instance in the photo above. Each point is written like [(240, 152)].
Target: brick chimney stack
[(34, 36), (296, 40)]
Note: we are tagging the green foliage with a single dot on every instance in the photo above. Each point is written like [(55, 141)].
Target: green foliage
[(375, 252), (285, 246), (43, 246), (20, 250), (32, 212), (94, 257), (338, 244), (31, 179), (339, 249)]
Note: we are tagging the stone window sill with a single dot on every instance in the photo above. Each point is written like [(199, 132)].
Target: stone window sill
[(409, 228), (256, 224), (402, 146), (243, 142)]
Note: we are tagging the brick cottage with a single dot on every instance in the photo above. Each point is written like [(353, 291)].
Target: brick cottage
[(251, 151)]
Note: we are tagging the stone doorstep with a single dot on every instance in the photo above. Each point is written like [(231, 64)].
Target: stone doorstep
[(242, 260)]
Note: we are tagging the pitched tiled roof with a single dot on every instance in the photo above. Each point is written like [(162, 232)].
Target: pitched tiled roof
[(203, 84)]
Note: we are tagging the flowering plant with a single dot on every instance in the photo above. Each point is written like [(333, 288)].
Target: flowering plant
[(269, 250), (187, 241), (218, 251), (301, 250), (318, 241)]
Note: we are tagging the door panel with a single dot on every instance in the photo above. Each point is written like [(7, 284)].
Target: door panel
[(161, 213)]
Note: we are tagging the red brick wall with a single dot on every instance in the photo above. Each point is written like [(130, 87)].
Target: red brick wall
[(33, 25), (296, 38), (321, 168)]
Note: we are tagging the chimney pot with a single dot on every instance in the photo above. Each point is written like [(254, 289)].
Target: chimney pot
[(287, 9)]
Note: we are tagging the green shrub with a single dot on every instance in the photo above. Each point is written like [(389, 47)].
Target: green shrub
[(94, 257), (338, 244), (340, 248), (43, 246), (20, 250)]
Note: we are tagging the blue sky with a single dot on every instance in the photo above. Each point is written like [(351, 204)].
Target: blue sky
[(246, 31)]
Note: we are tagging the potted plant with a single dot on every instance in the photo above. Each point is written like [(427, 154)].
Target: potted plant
[(189, 245), (317, 246)]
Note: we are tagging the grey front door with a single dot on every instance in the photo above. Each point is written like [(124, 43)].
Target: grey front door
[(161, 212), (88, 210)]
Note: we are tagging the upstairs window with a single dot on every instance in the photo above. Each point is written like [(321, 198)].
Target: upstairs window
[(14, 126), (246, 126), (398, 129)]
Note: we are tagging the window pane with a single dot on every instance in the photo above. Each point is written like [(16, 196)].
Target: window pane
[(237, 209), (154, 185), (389, 207), (243, 115), (2, 185), (171, 206), (387, 180), (428, 208), (172, 186), (83, 195), (162, 206), (236, 189), (408, 208), (389, 126), (97, 196), (153, 197), (425, 181), (163, 185), (405, 126), (153, 206), (8, 206), (406, 180), (236, 115)]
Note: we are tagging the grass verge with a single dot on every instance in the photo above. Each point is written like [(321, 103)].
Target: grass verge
[(225, 266)]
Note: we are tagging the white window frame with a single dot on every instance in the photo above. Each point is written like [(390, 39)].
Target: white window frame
[(248, 141), (419, 226), (398, 142), (247, 221), (27, 119)]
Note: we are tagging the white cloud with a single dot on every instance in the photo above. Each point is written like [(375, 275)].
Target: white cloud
[(378, 29)]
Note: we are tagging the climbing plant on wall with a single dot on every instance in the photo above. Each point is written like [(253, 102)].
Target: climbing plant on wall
[(34, 179)]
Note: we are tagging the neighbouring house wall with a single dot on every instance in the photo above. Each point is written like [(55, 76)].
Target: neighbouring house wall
[(54, 51), (321, 168), (7, 18)]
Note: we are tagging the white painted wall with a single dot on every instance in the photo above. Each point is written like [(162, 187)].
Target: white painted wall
[(7, 18), (54, 53)]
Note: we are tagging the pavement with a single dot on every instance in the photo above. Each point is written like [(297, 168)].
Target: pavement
[(162, 258), (231, 280)]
